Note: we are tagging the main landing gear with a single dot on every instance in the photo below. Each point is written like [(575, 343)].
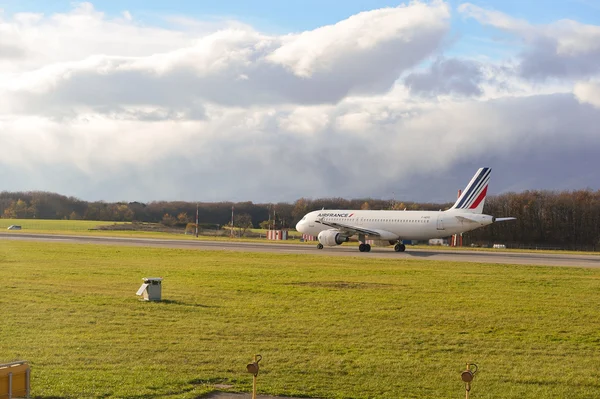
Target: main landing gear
[(399, 247), (363, 247)]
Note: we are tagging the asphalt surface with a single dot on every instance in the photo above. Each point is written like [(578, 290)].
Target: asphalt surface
[(545, 259)]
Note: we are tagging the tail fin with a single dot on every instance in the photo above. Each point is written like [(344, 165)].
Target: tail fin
[(473, 197)]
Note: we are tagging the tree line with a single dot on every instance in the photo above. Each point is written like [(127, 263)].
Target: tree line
[(545, 219), (566, 219)]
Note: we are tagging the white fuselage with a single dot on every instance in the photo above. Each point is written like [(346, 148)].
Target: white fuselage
[(397, 225)]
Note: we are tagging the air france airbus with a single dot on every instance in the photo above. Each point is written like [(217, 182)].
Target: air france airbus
[(334, 227)]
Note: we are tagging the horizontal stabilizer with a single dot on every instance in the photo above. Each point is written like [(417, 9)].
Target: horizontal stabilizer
[(466, 219), (503, 219)]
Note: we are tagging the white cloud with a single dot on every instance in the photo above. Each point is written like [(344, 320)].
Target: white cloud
[(363, 54), (220, 111), (447, 76), (588, 92), (80, 33), (494, 18), (372, 34), (562, 49), (278, 154), (306, 120)]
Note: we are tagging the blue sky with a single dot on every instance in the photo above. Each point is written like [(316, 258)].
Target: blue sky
[(294, 15), (469, 38)]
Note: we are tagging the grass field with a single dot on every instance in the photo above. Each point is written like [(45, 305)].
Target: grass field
[(49, 225), (326, 327), (88, 227), (53, 225)]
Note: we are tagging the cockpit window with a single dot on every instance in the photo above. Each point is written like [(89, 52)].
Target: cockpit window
[(304, 218)]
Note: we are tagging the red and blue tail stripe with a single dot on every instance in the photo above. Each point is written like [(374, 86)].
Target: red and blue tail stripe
[(473, 196)]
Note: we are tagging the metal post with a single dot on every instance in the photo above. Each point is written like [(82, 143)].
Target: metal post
[(467, 385), (254, 382), (467, 377), (253, 369), (196, 220), (9, 385), (456, 241), (231, 233), (28, 383)]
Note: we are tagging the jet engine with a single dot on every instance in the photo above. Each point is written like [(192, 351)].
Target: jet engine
[(332, 237)]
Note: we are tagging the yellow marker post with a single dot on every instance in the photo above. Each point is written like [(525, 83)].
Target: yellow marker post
[(253, 369)]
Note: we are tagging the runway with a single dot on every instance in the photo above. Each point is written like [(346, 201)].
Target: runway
[(543, 259)]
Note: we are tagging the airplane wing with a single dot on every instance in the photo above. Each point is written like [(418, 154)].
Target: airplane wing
[(352, 230)]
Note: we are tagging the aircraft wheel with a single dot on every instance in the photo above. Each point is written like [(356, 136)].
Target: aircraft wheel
[(362, 247), (319, 246), (367, 247), (400, 247)]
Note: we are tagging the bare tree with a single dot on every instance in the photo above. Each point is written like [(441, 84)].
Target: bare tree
[(243, 222)]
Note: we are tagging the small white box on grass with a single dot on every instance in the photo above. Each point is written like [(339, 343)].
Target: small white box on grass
[(151, 289)]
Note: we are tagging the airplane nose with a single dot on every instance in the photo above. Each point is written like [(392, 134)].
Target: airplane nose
[(299, 226)]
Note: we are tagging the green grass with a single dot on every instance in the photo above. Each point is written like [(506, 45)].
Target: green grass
[(53, 225), (86, 227), (326, 327)]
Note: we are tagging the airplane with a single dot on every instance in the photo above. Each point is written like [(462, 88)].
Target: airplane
[(335, 227)]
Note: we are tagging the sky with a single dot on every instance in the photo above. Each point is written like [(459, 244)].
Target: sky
[(270, 101)]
